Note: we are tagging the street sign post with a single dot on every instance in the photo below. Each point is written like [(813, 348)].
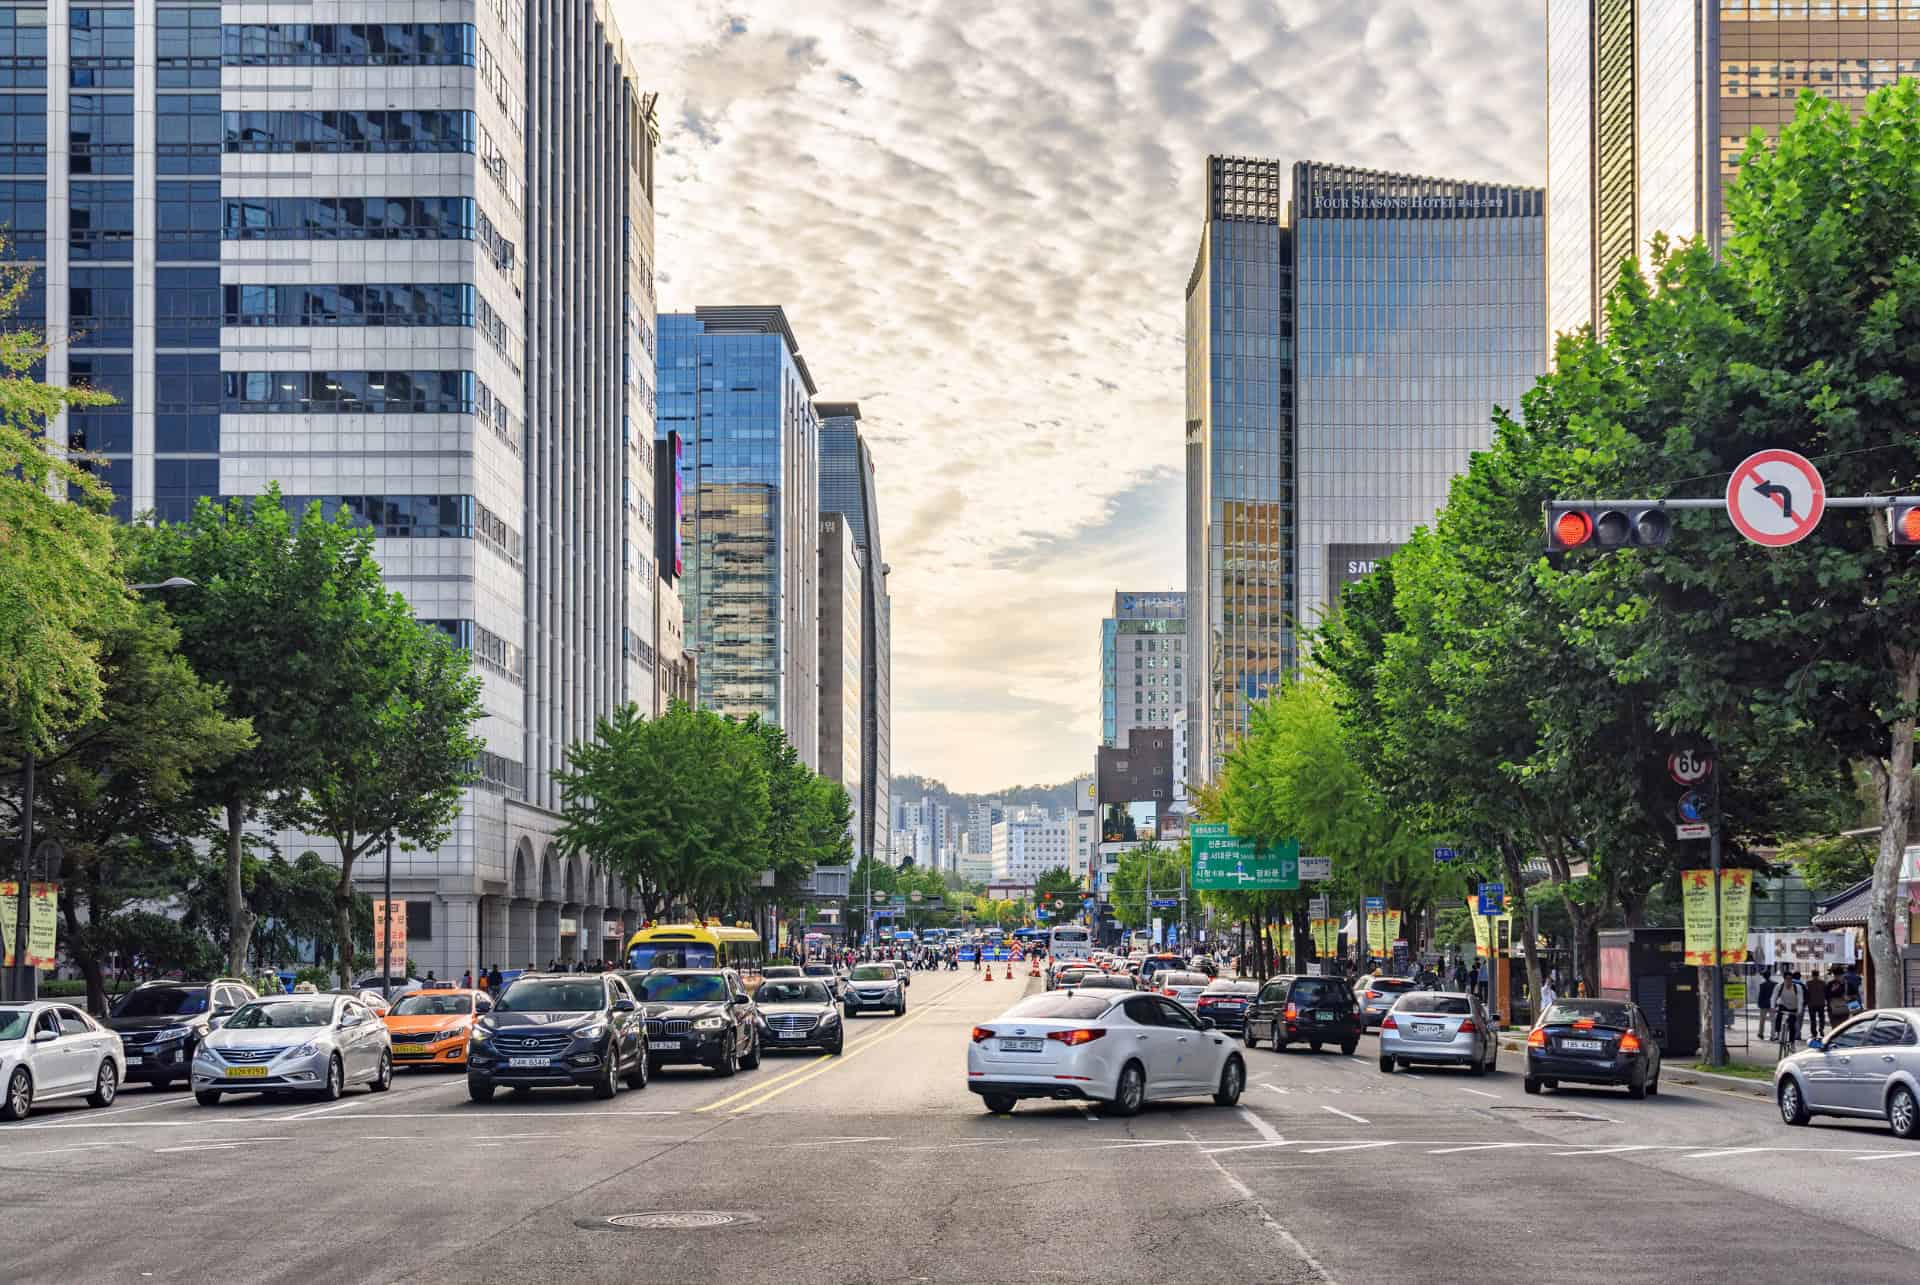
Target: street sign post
[(1315, 869), (1317, 907), (1223, 861), (1693, 830), (1443, 856), (1692, 806), (1493, 898), (1775, 498), (1689, 767)]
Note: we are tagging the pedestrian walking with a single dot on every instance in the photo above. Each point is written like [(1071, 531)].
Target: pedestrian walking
[(493, 979), (466, 980), (1547, 995), (1855, 987), (1816, 993)]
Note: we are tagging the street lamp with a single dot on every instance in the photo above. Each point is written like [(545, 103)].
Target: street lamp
[(26, 977)]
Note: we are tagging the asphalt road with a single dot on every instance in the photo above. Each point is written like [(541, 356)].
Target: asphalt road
[(879, 1166)]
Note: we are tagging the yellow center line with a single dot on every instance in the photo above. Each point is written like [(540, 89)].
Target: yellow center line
[(893, 1029)]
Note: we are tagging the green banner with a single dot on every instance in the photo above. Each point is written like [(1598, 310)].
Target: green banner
[(1229, 863)]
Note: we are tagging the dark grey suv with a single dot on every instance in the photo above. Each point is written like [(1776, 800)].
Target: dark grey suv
[(161, 1024)]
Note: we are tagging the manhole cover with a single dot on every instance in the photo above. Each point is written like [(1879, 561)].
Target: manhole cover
[(671, 1220)]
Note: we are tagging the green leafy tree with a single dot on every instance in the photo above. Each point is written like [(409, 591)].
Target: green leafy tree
[(1147, 872), (1063, 886)]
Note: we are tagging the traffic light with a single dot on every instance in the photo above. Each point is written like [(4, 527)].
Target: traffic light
[(1575, 524), (1903, 526)]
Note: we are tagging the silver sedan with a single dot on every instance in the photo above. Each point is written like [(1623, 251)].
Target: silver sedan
[(1446, 1028), (306, 1044), (1867, 1068)]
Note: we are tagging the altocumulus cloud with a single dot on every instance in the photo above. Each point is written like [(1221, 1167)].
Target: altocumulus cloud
[(980, 218)]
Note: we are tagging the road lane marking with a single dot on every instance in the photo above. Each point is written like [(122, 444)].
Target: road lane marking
[(897, 1028), (1487, 1146), (1605, 1151), (839, 1142), (1345, 1115), (1260, 1126), (1890, 1155), (1480, 1092), (1246, 1146), (1276, 1088), (1346, 1146), (1286, 1237), (1730, 1151)]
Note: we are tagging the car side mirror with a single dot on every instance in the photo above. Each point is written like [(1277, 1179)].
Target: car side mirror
[(1206, 1023), (738, 1000), (216, 1022), (349, 1020), (624, 1006), (45, 1037), (224, 1010)]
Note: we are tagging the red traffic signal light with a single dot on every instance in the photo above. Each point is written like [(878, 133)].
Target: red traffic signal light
[(1903, 526), (1570, 530), (1573, 524)]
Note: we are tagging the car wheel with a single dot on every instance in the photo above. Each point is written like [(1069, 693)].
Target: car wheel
[(608, 1082), (1247, 1036), (1279, 1040), (1653, 1086), (336, 1081), (1531, 1085), (751, 1062), (1793, 1105), (383, 1080), (642, 1070), (838, 1046), (653, 1065), (207, 1097), (19, 1099), (1349, 1047), (106, 1085), (480, 1090), (1233, 1081), (1476, 1067), (1314, 1045), (999, 1103), (1903, 1113), (729, 1063), (1386, 1065), (1131, 1091)]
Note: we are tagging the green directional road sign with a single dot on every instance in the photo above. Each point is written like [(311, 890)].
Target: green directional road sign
[(1223, 861)]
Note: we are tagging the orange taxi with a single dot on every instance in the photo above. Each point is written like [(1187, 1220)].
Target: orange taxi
[(430, 1027)]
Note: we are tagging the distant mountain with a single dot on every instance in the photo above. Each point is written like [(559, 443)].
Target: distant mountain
[(1067, 794)]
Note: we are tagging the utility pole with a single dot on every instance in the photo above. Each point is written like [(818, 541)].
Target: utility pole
[(386, 919), (1719, 1007), (26, 977)]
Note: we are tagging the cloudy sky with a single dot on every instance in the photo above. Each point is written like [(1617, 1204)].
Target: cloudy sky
[(980, 216)]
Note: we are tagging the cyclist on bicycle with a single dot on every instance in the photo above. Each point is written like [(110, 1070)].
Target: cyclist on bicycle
[(1789, 1001)]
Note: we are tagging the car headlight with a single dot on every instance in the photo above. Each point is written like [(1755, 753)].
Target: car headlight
[(309, 1049), (173, 1033), (710, 1024), (480, 1034), (204, 1054), (593, 1032), (829, 1017)]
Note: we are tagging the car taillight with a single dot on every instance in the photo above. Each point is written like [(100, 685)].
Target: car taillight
[(1584, 1024), (1206, 1001), (1073, 1039), (1373, 994), (1467, 1027), (1629, 1043), (1171, 993), (1293, 1011), (981, 1033), (1388, 1024), (1537, 1038)]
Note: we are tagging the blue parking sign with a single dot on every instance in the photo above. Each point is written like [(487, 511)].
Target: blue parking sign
[(1493, 899)]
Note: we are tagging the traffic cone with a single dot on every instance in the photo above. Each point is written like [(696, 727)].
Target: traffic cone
[(1009, 970), (1033, 966), (989, 972)]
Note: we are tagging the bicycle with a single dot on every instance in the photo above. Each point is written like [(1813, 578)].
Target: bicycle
[(1786, 1025)]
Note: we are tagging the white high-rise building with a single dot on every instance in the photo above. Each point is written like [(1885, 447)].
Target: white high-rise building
[(1023, 850)]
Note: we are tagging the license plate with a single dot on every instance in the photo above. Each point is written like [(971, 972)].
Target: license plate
[(1585, 1046), (791, 1035), (657, 1043), (1022, 1046), (246, 1072), (1426, 1028), (409, 1048), (533, 1063), (1323, 1016), (134, 1061)]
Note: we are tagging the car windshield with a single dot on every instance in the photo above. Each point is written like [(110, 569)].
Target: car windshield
[(1315, 990), (1599, 1013), (1392, 985), (427, 1004), (784, 970), (14, 1022), (1060, 1005), (1427, 1002), (873, 973), (1105, 981), (1231, 988), (544, 995), (702, 988), (819, 970), (162, 1001), (282, 1014), (672, 954), (1183, 979), (793, 993)]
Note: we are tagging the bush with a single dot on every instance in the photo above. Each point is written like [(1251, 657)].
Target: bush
[(77, 988)]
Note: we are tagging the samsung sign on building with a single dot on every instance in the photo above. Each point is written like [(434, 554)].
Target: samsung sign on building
[(1347, 563)]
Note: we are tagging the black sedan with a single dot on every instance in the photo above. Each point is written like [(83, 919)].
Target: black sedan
[(557, 1030), (698, 1015), (799, 1013), (1593, 1041), (1225, 1001)]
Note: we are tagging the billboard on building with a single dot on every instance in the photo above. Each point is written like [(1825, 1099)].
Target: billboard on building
[(1347, 563)]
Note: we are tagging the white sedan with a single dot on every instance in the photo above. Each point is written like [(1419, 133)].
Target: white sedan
[(1122, 1048), (51, 1050)]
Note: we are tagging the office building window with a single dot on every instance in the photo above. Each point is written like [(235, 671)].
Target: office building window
[(446, 517), (23, 48), (187, 48), (188, 216), (187, 401), (23, 219), (419, 921), (100, 133), (186, 308), (393, 304), (189, 133), (349, 218), (100, 307), (100, 44), (178, 483), (103, 430), (395, 130), (490, 651), (359, 392), (339, 44), (100, 220), (23, 133)]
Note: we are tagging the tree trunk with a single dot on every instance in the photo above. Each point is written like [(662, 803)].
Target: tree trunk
[(343, 917), (1510, 862), (239, 914), (80, 950), (1894, 777)]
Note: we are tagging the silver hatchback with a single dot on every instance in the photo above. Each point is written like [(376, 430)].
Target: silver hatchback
[(1446, 1028), (1867, 1068)]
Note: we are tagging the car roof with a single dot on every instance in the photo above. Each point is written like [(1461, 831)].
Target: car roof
[(569, 977)]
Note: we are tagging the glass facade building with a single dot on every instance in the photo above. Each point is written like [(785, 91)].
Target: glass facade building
[(1651, 102), (404, 281), (734, 386), (1421, 306), (1143, 674), (847, 487)]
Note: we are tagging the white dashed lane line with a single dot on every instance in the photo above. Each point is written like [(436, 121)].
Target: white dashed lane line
[(1346, 1115)]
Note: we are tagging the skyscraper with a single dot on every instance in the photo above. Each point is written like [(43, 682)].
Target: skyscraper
[(734, 386), (1650, 103), (847, 487), (842, 580), (1143, 676), (1345, 350), (373, 260)]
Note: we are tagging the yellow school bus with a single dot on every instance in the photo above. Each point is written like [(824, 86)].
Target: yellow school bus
[(708, 945)]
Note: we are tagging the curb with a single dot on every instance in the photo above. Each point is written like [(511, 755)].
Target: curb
[(1751, 1088)]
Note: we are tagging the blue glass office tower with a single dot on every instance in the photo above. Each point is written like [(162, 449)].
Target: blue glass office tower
[(847, 487), (734, 386)]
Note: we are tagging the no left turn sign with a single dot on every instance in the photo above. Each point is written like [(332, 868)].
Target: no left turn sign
[(1776, 498)]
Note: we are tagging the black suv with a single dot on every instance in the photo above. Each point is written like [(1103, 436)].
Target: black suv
[(1310, 1010), (161, 1024), (555, 1030), (701, 1015)]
